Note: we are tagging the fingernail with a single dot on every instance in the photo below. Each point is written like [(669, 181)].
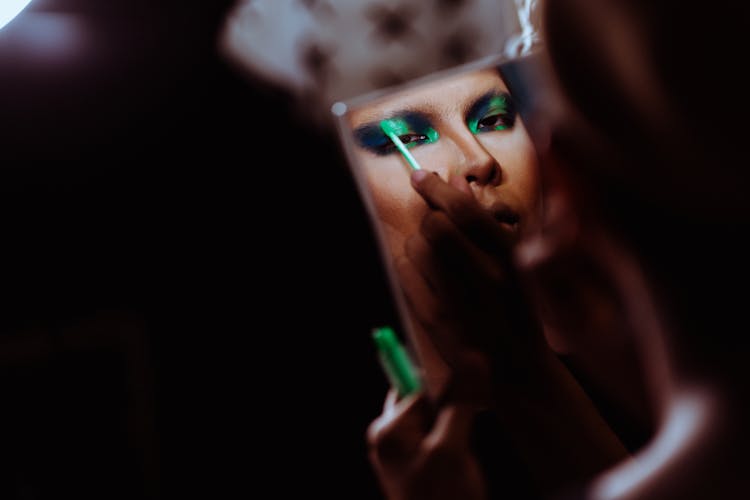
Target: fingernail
[(418, 176)]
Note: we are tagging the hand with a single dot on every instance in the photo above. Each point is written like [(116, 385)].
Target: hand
[(418, 454), (459, 281)]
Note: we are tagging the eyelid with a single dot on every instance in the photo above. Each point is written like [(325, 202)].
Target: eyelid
[(415, 124), (490, 105), (498, 104), (372, 137)]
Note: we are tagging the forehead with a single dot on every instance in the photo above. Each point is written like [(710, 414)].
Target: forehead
[(442, 96)]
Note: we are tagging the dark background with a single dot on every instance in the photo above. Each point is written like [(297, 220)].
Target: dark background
[(180, 316)]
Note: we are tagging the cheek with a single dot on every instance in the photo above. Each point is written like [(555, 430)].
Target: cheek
[(517, 157), (399, 208)]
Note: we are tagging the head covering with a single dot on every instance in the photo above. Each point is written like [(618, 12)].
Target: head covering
[(329, 50)]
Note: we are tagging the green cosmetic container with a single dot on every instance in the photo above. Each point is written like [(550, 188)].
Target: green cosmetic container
[(396, 362)]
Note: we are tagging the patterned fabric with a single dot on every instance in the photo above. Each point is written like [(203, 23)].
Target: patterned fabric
[(329, 50)]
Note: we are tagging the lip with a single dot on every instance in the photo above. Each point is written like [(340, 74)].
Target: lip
[(504, 214)]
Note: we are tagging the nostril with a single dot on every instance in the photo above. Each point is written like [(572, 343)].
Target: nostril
[(492, 175), (496, 176)]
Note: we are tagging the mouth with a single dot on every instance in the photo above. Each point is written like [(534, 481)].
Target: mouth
[(505, 215)]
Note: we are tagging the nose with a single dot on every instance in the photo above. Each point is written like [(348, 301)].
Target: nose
[(477, 165)]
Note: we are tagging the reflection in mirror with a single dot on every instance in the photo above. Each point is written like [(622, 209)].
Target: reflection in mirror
[(464, 125), (483, 343)]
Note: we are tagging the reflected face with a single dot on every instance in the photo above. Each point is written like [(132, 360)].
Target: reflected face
[(465, 126)]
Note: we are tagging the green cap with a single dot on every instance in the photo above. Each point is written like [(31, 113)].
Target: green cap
[(395, 361)]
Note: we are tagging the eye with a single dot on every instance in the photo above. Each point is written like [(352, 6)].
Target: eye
[(494, 113), (410, 140), (411, 130), (413, 139), (498, 121)]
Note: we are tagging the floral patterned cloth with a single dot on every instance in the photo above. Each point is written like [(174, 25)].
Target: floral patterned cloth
[(329, 50)]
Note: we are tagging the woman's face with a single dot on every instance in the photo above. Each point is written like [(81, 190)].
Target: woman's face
[(465, 126)]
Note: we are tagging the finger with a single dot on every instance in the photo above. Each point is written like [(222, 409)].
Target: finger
[(420, 295), (436, 192), (423, 258), (455, 255), (402, 414), (449, 265), (396, 435), (452, 428), (467, 293), (427, 310), (390, 401), (479, 225), (467, 276)]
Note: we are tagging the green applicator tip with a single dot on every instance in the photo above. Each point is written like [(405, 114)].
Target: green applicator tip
[(393, 129), (395, 361)]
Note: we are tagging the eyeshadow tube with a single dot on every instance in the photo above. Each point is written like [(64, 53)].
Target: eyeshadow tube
[(396, 363)]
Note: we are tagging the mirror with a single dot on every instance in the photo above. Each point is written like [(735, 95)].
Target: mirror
[(468, 122)]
